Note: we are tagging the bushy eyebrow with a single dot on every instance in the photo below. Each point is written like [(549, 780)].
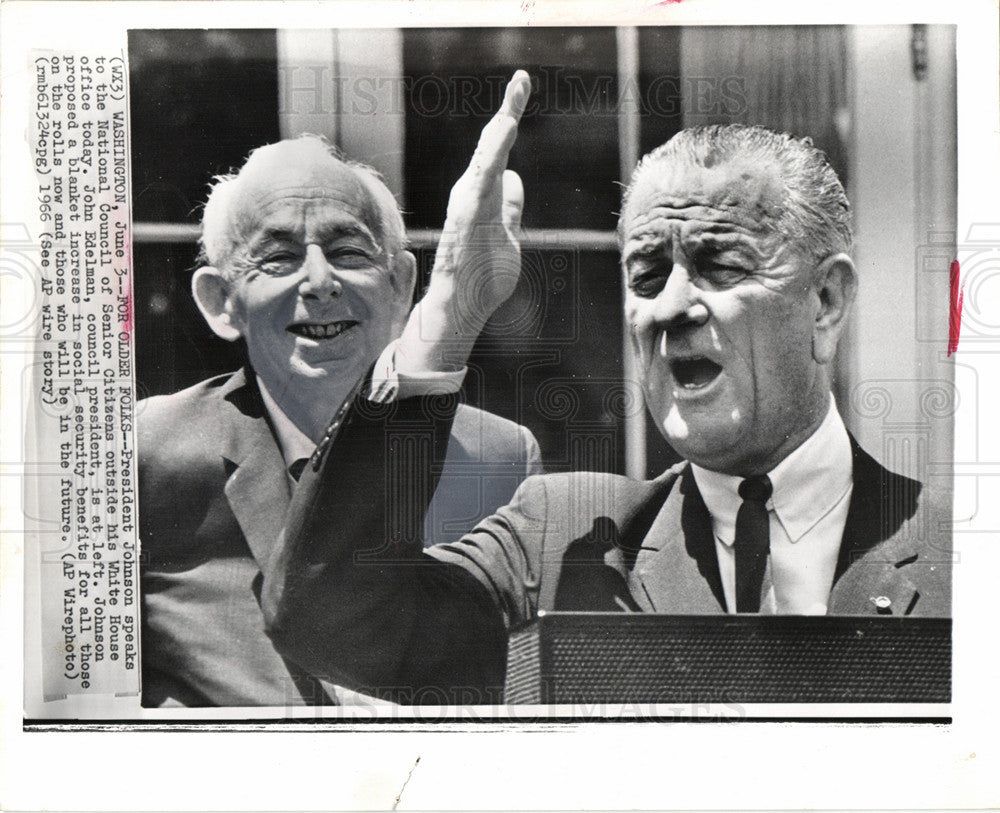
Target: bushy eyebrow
[(327, 234), (644, 244), (646, 251), (718, 240), (656, 244), (723, 243)]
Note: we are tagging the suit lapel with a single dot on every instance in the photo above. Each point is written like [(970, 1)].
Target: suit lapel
[(257, 488), (677, 570), (878, 542)]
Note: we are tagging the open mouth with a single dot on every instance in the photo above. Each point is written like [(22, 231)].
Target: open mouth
[(694, 373), (327, 330)]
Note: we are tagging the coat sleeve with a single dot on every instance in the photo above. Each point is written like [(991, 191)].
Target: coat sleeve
[(348, 592), (532, 454)]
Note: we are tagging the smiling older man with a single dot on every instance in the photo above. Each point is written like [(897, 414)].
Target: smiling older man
[(305, 262), (735, 246)]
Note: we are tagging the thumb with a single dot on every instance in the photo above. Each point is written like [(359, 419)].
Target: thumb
[(513, 200)]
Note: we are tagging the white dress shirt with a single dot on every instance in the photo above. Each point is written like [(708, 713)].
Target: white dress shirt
[(807, 511)]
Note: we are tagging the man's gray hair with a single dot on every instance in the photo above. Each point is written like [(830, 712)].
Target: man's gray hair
[(816, 214), (217, 241)]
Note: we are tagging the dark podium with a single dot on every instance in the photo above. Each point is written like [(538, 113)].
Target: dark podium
[(650, 658)]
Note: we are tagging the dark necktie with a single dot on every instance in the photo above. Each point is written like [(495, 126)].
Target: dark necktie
[(753, 541), (297, 468)]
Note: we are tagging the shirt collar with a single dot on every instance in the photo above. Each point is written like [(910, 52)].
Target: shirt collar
[(294, 443), (807, 484)]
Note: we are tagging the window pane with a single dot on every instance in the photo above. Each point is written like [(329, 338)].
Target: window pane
[(567, 147), (174, 348), (200, 101), (660, 84), (551, 359)]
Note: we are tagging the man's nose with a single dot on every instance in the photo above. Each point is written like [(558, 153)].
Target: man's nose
[(679, 304), (321, 279)]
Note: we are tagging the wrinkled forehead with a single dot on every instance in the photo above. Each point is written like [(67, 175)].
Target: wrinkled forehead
[(742, 192), (293, 185)]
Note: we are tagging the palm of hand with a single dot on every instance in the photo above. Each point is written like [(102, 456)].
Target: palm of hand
[(478, 261), (479, 255)]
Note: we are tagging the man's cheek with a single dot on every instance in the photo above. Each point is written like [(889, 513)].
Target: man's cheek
[(640, 329)]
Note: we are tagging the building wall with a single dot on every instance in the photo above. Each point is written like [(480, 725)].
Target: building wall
[(903, 185)]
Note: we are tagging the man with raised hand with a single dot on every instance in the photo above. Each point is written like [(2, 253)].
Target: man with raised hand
[(305, 262), (736, 257)]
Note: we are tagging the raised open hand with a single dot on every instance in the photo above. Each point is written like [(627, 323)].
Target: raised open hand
[(478, 260), (479, 255)]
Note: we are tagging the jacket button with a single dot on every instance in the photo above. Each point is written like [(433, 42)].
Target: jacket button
[(883, 604)]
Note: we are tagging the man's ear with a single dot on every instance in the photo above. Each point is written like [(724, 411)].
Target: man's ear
[(211, 291), (403, 278), (836, 286)]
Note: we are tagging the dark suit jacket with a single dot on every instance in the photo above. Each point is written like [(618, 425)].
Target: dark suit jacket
[(601, 542), (580, 541), (213, 494)]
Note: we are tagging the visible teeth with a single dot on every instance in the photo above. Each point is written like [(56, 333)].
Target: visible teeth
[(327, 331), (695, 372)]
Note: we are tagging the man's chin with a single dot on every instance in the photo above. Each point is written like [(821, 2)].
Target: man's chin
[(329, 368), (711, 443)]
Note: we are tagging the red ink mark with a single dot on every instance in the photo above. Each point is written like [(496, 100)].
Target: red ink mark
[(955, 313)]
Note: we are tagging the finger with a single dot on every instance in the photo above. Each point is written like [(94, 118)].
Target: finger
[(513, 200), (499, 134), (515, 97)]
